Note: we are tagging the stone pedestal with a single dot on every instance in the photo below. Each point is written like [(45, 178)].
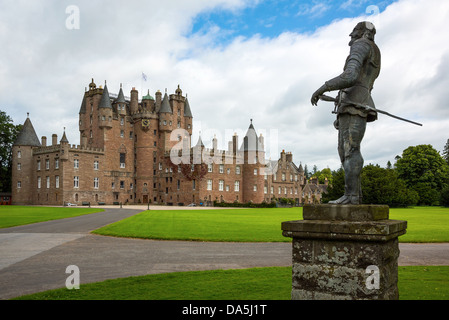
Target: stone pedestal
[(345, 252)]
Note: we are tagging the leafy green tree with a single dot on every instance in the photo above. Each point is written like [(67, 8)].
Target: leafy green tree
[(323, 175), (424, 170), (336, 189), (383, 186), (8, 134)]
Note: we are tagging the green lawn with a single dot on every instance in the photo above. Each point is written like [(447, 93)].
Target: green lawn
[(249, 225), (425, 224), (415, 283), (11, 216)]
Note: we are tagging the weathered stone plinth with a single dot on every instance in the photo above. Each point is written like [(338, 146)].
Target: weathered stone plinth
[(344, 252)]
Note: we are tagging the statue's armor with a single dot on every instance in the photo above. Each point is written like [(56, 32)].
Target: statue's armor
[(361, 69)]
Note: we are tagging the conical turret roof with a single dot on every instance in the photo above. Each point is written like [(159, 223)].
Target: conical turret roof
[(27, 136), (121, 96), (166, 105), (250, 141), (105, 101), (187, 110)]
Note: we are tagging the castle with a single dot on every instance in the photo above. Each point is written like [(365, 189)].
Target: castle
[(139, 151)]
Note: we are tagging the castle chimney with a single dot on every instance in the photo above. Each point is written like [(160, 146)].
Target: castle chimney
[(289, 157), (214, 143), (134, 104), (54, 139), (235, 140), (158, 100), (44, 141)]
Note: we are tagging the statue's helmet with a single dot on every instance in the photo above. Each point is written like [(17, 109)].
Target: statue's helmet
[(366, 29)]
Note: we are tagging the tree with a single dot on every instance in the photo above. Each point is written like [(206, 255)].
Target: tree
[(323, 175), (424, 170), (8, 134), (336, 189), (446, 152), (383, 186)]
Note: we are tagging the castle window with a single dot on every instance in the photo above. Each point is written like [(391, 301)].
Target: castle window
[(179, 124), (96, 183), (130, 134), (122, 134), (221, 185), (265, 189), (227, 187), (19, 154), (122, 160), (38, 165), (48, 182), (237, 186), (255, 172), (283, 176), (209, 167), (56, 163), (255, 187), (122, 184), (165, 122), (38, 182), (103, 118), (113, 185), (296, 177), (291, 177), (19, 166), (160, 166), (188, 126), (193, 184), (76, 182), (76, 163), (19, 184), (271, 190), (221, 168), (96, 165), (237, 170), (57, 182), (228, 171), (47, 164), (179, 184), (209, 184), (279, 190), (122, 121)]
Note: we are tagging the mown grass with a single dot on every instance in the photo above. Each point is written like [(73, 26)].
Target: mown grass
[(425, 224), (248, 225), (11, 216), (415, 283)]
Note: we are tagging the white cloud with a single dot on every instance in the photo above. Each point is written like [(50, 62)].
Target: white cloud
[(45, 67)]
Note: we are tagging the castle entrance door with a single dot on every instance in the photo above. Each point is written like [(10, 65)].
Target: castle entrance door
[(145, 198)]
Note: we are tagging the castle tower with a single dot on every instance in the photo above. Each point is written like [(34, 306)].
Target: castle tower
[(23, 166), (253, 167), (120, 103), (166, 125)]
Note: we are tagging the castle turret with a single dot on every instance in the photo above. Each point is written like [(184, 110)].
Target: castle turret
[(105, 109), (253, 167), (120, 103), (23, 166)]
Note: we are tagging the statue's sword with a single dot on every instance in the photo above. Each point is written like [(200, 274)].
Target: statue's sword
[(330, 99)]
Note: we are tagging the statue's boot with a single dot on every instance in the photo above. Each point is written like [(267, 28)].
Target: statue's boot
[(346, 200)]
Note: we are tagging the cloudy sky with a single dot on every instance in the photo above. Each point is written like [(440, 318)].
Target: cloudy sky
[(236, 60)]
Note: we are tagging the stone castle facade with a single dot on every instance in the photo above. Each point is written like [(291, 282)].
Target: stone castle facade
[(139, 151)]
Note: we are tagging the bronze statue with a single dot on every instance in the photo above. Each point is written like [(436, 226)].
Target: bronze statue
[(354, 106)]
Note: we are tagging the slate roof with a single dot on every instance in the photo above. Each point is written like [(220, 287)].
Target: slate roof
[(250, 141), (121, 96), (166, 105), (83, 105), (187, 110), (105, 101), (27, 136)]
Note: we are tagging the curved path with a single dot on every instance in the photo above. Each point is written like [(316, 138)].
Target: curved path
[(34, 257)]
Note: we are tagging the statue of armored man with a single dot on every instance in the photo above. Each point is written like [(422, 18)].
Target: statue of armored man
[(354, 87)]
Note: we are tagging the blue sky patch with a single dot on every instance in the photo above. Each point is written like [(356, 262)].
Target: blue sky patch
[(270, 18)]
